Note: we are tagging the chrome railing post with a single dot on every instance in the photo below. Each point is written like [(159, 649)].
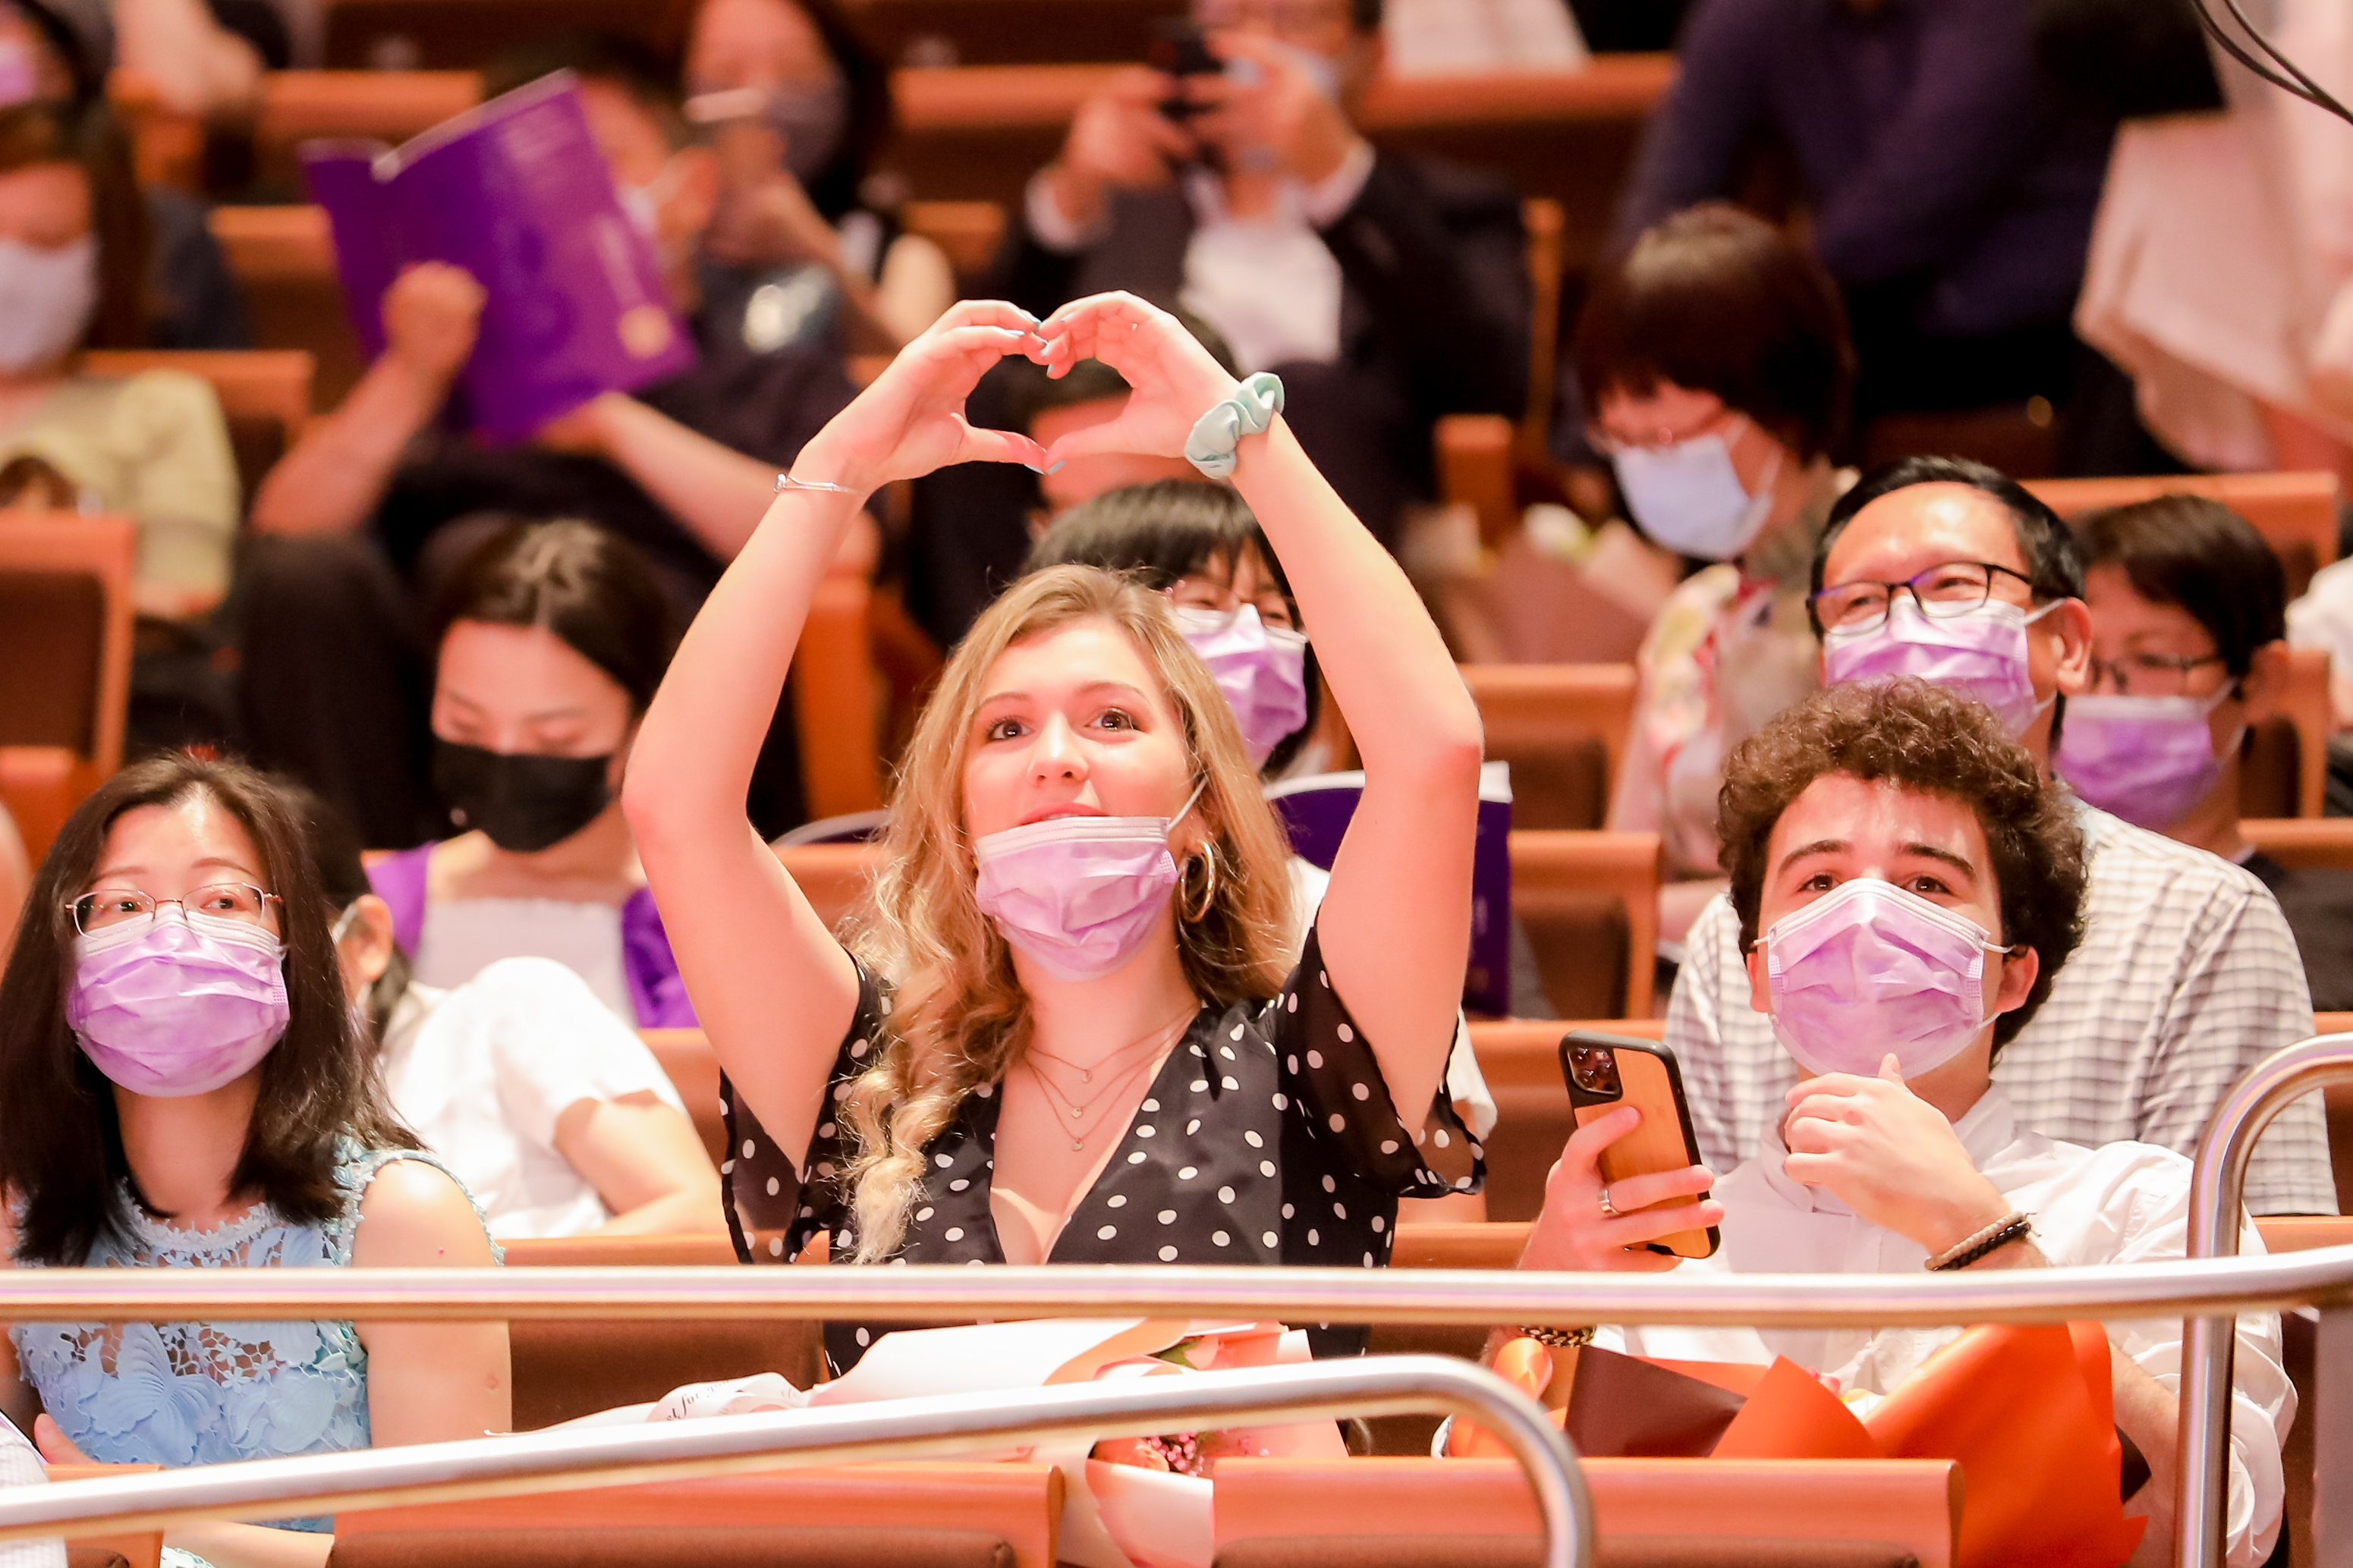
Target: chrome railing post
[(2217, 1185), (2331, 1415), (559, 1460)]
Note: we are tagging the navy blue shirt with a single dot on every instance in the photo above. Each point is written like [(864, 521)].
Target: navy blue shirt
[(1927, 147)]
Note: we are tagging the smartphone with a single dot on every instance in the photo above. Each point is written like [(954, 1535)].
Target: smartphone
[(1181, 49), (1606, 1071)]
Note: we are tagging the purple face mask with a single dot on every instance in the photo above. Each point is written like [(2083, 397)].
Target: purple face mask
[(1869, 968), (1078, 894), (1261, 669), (1980, 655), (2147, 759), (180, 1005)]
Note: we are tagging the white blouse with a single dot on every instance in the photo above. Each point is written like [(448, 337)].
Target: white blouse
[(482, 1072)]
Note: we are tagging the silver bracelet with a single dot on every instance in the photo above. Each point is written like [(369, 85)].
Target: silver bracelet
[(786, 482)]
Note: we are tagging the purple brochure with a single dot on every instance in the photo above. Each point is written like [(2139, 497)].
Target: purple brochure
[(516, 192), (1316, 812)]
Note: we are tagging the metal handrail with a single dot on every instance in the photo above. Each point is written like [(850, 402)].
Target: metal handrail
[(923, 1293), (2217, 1185), (930, 1428)]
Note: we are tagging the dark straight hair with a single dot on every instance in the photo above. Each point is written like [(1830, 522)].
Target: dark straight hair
[(586, 585), (1715, 300), (61, 1143), (85, 134), (1163, 532), (2197, 553)]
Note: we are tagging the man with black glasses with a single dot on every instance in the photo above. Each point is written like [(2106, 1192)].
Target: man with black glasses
[(2187, 976)]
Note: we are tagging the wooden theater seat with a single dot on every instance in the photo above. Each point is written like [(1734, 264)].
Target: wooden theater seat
[(834, 877), (2303, 841), (283, 259), (921, 1515), (65, 687), (1520, 1059), (1590, 904), (693, 1068), (132, 1549), (2296, 513), (1561, 727), (567, 1368), (265, 395), (837, 702), (1453, 1513)]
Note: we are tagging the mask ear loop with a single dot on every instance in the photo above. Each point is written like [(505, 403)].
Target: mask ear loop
[(1207, 857)]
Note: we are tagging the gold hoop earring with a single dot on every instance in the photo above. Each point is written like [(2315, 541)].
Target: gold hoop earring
[(1208, 861)]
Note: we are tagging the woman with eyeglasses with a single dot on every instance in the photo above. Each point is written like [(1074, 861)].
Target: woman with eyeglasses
[(1077, 1028), (1714, 360), (181, 1088)]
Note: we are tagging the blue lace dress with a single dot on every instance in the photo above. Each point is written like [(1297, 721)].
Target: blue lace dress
[(202, 1394)]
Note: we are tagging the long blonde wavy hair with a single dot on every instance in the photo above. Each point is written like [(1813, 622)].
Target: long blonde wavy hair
[(958, 1018)]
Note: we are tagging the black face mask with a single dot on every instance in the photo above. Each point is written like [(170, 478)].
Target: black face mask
[(523, 802)]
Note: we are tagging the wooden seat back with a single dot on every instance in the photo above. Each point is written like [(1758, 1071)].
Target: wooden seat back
[(2294, 512), (895, 1504), (837, 702), (1520, 1059), (2303, 841), (693, 1068), (139, 1549), (265, 395), (1912, 1504), (283, 258), (1589, 905), (835, 878), (567, 1368), (1561, 727), (65, 687)]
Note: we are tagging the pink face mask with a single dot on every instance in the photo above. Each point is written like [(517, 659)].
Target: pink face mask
[(1078, 894), (1261, 669), (180, 1005), (2147, 759), (1869, 968), (1980, 655)]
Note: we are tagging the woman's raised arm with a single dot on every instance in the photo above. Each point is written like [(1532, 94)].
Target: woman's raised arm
[(1396, 923), (774, 989)]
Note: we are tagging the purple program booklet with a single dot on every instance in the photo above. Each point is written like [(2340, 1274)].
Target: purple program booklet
[(515, 193), (1316, 812)]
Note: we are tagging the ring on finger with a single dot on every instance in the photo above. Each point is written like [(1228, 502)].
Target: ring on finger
[(1608, 1209)]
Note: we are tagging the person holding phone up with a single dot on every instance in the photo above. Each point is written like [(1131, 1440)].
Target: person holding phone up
[(1908, 885)]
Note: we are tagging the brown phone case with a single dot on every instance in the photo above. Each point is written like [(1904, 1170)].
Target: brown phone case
[(1649, 1081)]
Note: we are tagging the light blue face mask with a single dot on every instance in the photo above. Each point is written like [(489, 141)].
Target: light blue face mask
[(1689, 498)]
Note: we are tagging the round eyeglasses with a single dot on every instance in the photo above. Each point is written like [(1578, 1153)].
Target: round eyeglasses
[(1954, 588), (112, 907)]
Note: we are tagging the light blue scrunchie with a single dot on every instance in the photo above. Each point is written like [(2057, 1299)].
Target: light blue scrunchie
[(1252, 409)]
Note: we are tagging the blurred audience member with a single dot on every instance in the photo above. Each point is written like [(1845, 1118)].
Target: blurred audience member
[(379, 501), (1950, 189), (60, 52), (798, 104), (554, 639), (153, 446), (1715, 360), (2186, 975), (551, 1111), (180, 1087), (2189, 651), (1387, 288), (2222, 266)]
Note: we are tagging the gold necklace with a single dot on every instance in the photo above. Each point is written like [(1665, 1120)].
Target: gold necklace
[(1077, 1110), (1157, 1033)]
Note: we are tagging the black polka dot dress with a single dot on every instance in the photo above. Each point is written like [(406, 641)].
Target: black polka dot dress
[(1268, 1136)]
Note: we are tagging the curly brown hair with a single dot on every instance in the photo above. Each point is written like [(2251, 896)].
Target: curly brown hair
[(1924, 738)]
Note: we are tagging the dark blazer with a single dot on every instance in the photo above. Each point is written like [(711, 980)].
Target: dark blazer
[(1433, 321)]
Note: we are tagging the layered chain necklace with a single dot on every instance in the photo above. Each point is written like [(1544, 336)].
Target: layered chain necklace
[(1119, 1069)]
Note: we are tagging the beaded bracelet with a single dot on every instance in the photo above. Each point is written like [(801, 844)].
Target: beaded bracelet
[(1252, 409), (1991, 1239), (1559, 1338)]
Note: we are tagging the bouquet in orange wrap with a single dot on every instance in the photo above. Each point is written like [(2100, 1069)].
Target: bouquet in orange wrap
[(2025, 1411)]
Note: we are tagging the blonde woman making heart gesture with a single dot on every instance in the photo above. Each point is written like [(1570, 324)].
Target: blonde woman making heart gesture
[(1067, 1033)]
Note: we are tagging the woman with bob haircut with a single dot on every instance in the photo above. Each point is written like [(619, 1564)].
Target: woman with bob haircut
[(180, 1087), (1072, 1030), (1715, 366)]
